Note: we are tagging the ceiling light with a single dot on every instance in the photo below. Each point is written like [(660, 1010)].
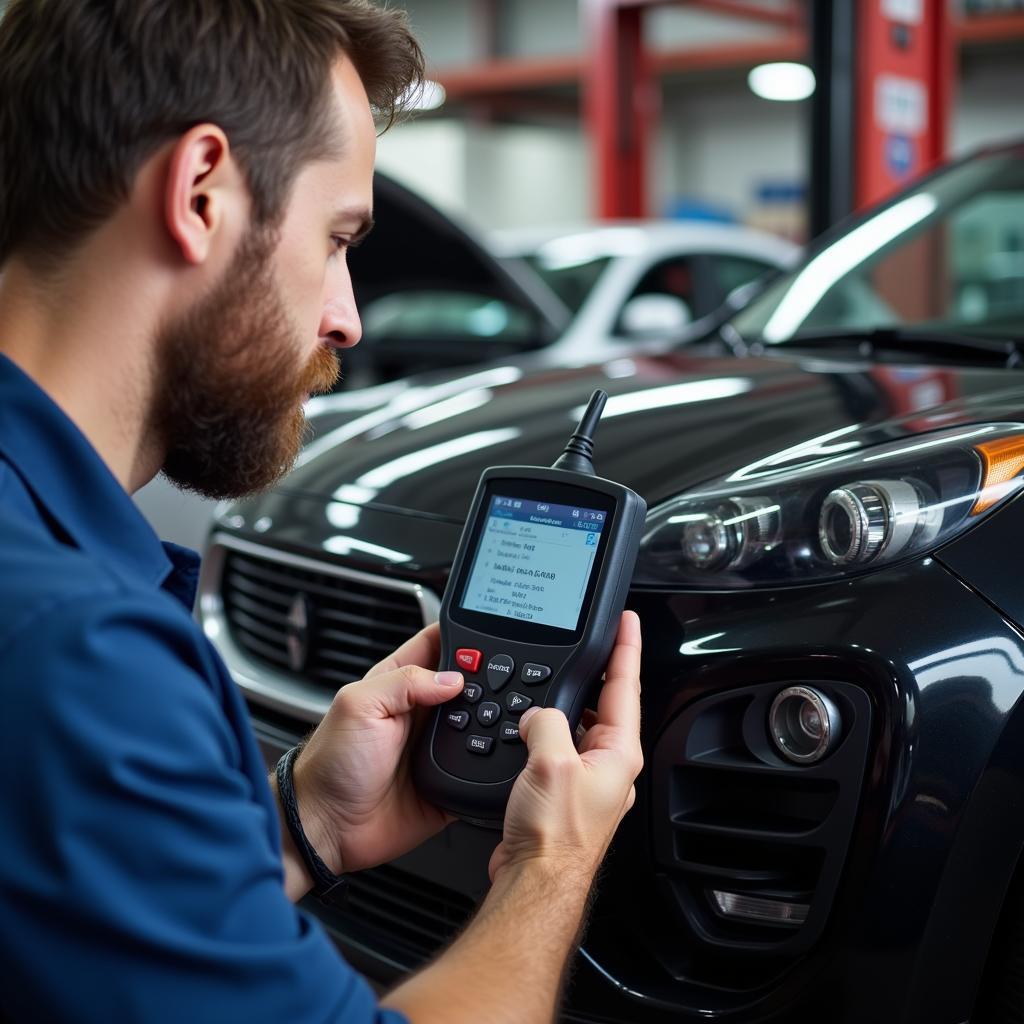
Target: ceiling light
[(783, 81), (427, 95)]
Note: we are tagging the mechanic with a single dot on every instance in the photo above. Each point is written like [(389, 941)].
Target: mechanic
[(179, 183)]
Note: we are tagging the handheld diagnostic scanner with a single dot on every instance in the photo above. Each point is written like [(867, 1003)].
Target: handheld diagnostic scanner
[(529, 616)]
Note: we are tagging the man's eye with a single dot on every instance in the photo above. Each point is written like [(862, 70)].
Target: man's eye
[(342, 244)]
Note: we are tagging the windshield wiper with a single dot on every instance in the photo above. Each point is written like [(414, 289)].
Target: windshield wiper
[(879, 341)]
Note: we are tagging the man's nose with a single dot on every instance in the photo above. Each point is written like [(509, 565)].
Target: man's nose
[(340, 323)]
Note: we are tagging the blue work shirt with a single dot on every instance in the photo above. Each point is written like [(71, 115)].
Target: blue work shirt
[(140, 853)]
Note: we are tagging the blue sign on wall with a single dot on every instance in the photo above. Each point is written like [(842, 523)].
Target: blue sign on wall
[(900, 157)]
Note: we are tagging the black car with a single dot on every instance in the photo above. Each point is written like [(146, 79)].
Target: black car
[(831, 817)]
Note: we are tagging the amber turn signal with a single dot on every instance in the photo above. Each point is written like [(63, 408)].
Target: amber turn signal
[(1002, 462)]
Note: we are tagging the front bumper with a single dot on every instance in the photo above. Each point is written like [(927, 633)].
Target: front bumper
[(941, 674)]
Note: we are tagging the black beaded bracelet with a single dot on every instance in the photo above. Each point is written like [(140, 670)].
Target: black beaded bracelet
[(324, 881)]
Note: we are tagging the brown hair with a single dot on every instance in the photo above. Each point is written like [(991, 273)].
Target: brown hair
[(89, 89)]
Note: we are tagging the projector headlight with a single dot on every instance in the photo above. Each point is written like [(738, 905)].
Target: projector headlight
[(833, 516)]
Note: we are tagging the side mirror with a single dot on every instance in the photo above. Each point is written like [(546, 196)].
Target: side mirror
[(655, 316)]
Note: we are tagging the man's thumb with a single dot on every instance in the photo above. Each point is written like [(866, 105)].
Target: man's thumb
[(546, 729), (399, 691)]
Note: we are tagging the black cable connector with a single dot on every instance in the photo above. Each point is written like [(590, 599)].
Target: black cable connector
[(577, 455)]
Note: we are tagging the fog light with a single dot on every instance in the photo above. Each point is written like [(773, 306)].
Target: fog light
[(804, 724), (754, 908)]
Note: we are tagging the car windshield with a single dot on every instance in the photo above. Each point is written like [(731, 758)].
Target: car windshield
[(947, 256), (571, 282)]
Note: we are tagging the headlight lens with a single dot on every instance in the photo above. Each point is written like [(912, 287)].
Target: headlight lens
[(833, 517)]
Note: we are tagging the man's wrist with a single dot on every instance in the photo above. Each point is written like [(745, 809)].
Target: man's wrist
[(534, 913), (297, 879), (302, 832), (319, 830), (540, 878)]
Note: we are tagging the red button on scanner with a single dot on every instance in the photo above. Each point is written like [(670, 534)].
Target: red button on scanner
[(468, 659)]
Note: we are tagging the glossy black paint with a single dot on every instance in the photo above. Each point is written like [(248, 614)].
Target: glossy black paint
[(673, 420)]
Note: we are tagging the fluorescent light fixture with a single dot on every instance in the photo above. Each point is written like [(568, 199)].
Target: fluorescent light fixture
[(848, 253), (697, 647), (672, 394), (428, 95), (417, 461), (342, 516), (932, 443), (447, 409), (805, 449), (353, 494), (783, 81), (406, 401), (346, 545), (767, 510)]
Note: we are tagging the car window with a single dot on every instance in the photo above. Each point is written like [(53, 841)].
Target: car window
[(675, 277), (571, 282), (732, 272), (445, 314), (948, 255)]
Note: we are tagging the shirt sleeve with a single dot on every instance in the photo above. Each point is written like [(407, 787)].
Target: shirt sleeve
[(140, 878)]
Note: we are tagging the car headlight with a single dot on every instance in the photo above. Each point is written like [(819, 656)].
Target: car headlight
[(836, 516)]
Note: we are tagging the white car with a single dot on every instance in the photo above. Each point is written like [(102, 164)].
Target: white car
[(630, 281), (570, 294)]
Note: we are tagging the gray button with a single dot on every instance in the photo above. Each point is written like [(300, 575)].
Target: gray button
[(488, 712), (499, 670), (457, 719), (479, 744), (472, 692), (517, 703), (510, 732), (533, 673)]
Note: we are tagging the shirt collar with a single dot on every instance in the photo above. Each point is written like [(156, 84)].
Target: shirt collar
[(78, 492)]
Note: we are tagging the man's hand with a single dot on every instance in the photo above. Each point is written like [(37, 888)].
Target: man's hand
[(356, 798), (566, 805), (564, 809)]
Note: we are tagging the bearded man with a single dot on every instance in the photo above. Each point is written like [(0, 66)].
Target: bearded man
[(180, 181)]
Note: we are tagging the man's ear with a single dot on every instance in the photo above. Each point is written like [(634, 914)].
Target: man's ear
[(202, 185)]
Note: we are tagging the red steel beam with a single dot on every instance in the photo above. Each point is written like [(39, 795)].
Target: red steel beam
[(511, 75), (990, 28), (788, 16), (620, 99), (789, 47), (527, 74), (904, 83)]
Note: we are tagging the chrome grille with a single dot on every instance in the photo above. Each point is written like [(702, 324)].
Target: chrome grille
[(353, 625)]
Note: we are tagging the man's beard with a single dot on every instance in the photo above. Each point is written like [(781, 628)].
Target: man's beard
[(229, 392)]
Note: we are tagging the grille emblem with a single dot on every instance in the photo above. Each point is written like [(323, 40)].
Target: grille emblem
[(300, 615)]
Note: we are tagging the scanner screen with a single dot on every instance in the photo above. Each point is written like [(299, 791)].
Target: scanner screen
[(534, 560)]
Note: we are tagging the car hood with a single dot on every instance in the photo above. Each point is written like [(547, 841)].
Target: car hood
[(672, 421)]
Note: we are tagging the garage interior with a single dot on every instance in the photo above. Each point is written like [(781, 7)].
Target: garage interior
[(782, 243)]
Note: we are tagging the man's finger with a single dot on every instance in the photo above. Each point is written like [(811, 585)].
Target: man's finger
[(395, 693), (546, 730), (422, 649), (619, 702)]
